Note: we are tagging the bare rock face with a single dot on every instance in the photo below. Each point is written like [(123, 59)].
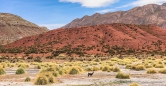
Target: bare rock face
[(13, 27), (147, 14)]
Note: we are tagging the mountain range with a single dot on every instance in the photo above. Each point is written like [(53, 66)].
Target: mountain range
[(13, 27), (147, 14), (139, 30)]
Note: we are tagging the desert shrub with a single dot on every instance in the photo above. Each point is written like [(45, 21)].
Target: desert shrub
[(128, 66), (50, 69), (27, 79), (164, 62), (121, 75), (50, 77), (2, 71), (61, 72), (94, 63), (158, 65), (116, 69), (38, 66), (20, 71), (95, 68), (134, 84), (89, 69), (151, 71), (55, 74), (66, 70), (97, 60), (44, 78), (111, 63), (148, 65), (114, 59), (163, 71), (4, 64), (164, 58), (74, 70), (23, 65), (137, 67), (41, 80), (105, 68), (12, 65), (121, 63)]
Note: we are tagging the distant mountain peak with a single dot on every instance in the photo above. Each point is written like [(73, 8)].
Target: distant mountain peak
[(147, 14), (13, 27), (164, 4)]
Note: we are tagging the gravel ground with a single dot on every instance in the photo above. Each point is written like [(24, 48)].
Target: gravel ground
[(98, 79)]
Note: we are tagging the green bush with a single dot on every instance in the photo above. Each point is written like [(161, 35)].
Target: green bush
[(44, 78), (27, 79), (134, 84), (121, 75), (55, 73), (128, 66), (97, 60), (139, 67), (116, 69), (23, 65), (158, 65), (61, 72), (163, 71), (50, 77), (2, 71), (148, 65), (38, 67), (74, 70), (41, 80), (105, 68), (151, 71), (20, 71)]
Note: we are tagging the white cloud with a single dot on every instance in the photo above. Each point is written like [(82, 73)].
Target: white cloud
[(92, 3), (52, 26), (144, 2)]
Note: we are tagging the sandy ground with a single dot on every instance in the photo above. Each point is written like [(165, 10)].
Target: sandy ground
[(98, 79)]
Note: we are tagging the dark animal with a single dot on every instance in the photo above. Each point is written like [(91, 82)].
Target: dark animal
[(90, 74)]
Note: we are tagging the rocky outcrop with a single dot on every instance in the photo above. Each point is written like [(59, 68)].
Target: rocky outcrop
[(147, 14), (13, 28)]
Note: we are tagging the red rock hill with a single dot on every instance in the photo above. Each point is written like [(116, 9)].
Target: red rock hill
[(98, 39)]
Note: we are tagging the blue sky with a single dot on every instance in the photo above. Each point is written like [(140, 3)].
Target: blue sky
[(57, 13)]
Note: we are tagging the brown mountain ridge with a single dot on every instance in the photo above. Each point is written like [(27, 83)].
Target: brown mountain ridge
[(13, 27), (147, 14), (97, 40)]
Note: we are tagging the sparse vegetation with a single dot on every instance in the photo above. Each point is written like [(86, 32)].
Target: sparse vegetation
[(163, 71), (27, 79), (151, 71), (49, 71), (41, 80), (20, 71), (2, 71), (44, 79), (75, 70), (134, 84), (121, 75)]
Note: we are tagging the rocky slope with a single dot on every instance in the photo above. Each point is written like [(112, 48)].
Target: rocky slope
[(13, 27), (147, 14), (97, 39)]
